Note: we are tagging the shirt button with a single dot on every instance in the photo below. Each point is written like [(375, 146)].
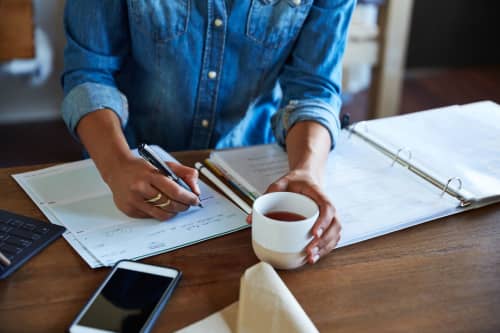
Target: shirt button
[(218, 22), (297, 2), (204, 123), (212, 75)]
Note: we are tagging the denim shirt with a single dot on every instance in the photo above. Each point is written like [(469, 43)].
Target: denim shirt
[(196, 74)]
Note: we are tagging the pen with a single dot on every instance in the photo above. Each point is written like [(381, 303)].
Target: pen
[(149, 155), (4, 260), (226, 190), (238, 188)]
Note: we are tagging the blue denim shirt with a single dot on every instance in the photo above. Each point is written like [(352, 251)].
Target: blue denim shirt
[(195, 74)]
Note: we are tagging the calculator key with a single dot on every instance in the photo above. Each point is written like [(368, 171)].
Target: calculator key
[(42, 230), (15, 223), (5, 228), (22, 237), (29, 226), (18, 242), (24, 234), (10, 249)]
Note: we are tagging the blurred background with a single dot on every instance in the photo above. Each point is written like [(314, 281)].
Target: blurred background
[(402, 56)]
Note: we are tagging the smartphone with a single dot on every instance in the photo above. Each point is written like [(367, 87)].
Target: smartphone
[(129, 300)]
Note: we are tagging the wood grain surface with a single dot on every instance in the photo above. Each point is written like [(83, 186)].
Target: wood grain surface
[(442, 276)]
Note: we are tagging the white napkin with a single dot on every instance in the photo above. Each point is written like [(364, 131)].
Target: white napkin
[(265, 305)]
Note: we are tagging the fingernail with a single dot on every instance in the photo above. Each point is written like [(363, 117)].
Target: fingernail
[(319, 232), (315, 258), (314, 250)]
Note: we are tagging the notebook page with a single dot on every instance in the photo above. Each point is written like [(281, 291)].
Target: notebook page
[(262, 165), (371, 196), (77, 197), (459, 141), (23, 181)]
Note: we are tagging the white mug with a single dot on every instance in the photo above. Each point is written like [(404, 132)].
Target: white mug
[(282, 243)]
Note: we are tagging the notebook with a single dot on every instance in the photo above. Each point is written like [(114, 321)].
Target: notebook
[(75, 196), (389, 174)]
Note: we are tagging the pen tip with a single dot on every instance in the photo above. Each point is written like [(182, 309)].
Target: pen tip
[(200, 205)]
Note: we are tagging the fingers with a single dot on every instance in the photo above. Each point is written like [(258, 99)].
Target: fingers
[(278, 186), (163, 202), (160, 205), (155, 212), (189, 175), (327, 212), (172, 190), (326, 229), (170, 205), (320, 247)]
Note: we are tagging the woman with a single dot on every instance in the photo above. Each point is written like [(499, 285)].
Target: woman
[(197, 74)]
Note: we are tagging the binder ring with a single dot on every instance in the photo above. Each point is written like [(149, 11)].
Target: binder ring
[(353, 126), (447, 186), (400, 150)]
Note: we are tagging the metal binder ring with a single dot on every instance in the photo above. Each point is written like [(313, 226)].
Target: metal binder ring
[(445, 188), (397, 158)]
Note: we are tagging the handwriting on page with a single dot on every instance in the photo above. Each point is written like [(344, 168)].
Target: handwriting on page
[(75, 196)]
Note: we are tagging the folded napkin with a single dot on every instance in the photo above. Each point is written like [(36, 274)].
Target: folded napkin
[(265, 305)]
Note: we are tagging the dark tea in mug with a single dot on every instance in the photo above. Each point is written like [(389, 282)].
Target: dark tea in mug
[(285, 216)]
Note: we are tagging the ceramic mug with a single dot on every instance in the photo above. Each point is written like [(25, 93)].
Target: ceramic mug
[(279, 242)]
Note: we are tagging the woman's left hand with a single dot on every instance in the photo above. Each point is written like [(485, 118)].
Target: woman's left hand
[(327, 228)]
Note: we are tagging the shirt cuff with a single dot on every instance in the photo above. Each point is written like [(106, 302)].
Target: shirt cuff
[(309, 110), (88, 97)]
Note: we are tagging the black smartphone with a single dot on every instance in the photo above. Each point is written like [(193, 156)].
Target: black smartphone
[(129, 300)]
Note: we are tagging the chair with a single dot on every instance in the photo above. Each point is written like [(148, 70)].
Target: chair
[(376, 52)]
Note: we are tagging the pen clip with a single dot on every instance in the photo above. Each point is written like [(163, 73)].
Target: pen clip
[(149, 155)]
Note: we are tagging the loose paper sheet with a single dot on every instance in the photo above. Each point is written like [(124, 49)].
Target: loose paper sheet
[(75, 196)]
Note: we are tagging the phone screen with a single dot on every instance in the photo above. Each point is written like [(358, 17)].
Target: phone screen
[(126, 301)]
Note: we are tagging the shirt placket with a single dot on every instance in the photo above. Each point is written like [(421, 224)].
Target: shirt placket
[(206, 106)]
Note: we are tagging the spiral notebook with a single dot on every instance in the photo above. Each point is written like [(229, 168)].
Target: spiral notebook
[(389, 174)]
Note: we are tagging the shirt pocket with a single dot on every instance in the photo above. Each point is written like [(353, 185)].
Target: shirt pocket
[(274, 23), (163, 19)]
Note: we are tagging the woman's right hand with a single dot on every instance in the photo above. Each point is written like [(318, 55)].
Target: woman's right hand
[(139, 189), (134, 182)]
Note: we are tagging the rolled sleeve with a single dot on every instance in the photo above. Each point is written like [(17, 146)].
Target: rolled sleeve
[(89, 97), (315, 110), (97, 46), (312, 75)]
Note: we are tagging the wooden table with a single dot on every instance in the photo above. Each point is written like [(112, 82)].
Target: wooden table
[(442, 276)]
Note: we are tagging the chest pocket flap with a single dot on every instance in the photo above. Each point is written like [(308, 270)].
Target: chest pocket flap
[(164, 19), (274, 23)]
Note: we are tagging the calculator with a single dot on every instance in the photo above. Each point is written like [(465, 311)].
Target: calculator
[(22, 237)]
